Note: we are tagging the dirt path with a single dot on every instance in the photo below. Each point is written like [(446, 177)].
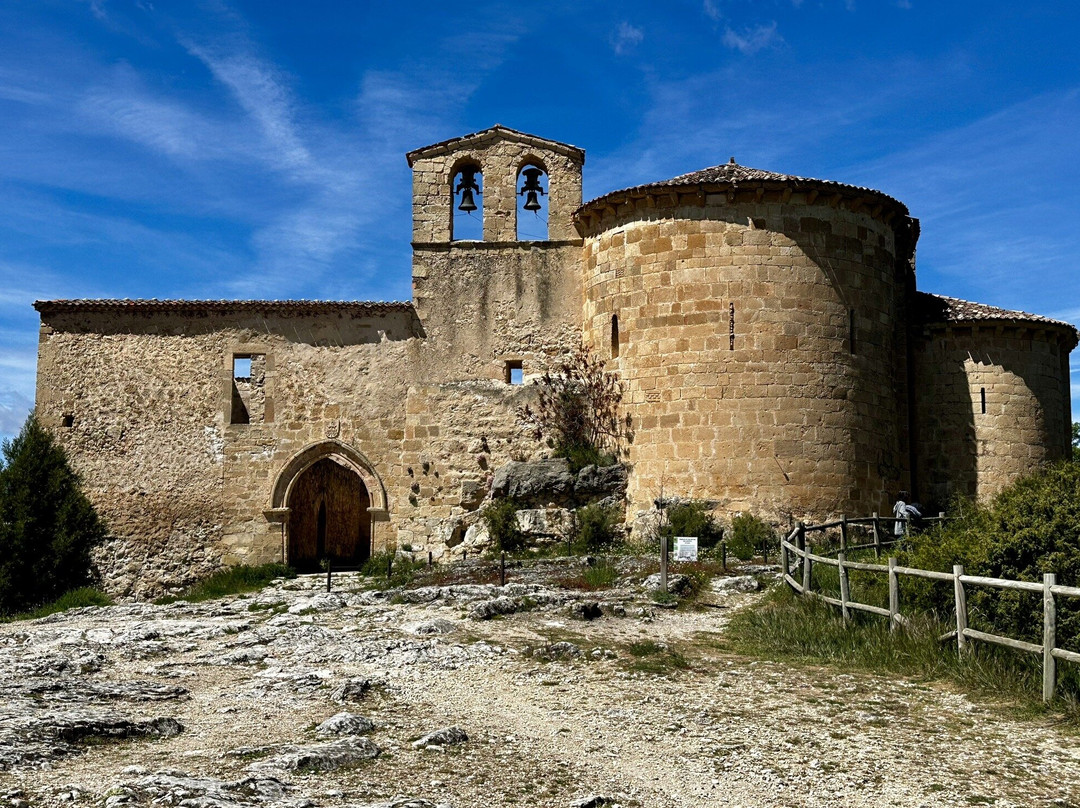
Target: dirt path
[(556, 710)]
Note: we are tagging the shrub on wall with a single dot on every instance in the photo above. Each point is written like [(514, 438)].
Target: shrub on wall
[(577, 413), (47, 525)]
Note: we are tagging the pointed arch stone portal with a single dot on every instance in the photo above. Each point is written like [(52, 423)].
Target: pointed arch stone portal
[(328, 499)]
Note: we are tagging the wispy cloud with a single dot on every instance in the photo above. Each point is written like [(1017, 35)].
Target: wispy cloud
[(751, 40), (712, 10), (626, 37), (14, 407)]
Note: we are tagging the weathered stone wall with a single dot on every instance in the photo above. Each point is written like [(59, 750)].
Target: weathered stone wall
[(456, 436), (1021, 374), (735, 347), (149, 396)]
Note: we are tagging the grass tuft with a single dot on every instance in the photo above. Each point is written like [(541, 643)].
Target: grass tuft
[(230, 581), (786, 627), (654, 657), (73, 599)]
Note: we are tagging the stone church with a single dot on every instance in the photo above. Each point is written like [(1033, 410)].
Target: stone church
[(775, 353)]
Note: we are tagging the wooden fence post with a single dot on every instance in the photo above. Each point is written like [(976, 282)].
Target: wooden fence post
[(877, 537), (843, 533), (1049, 638), (961, 608), (784, 558), (894, 595), (844, 592), (806, 579), (663, 564)]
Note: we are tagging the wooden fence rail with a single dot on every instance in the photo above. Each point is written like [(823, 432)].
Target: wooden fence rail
[(795, 545)]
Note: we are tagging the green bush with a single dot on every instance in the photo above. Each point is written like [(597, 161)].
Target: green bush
[(1030, 528), (501, 520), (596, 527), (748, 533), (47, 525), (693, 519)]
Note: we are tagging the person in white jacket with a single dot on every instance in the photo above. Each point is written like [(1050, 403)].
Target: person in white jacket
[(903, 510)]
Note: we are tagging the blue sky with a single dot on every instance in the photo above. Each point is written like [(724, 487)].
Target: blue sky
[(256, 149)]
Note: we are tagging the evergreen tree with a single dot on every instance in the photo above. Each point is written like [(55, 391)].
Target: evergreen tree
[(47, 525)]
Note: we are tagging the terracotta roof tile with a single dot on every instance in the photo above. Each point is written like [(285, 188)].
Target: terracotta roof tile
[(297, 306), (938, 309), (733, 174)]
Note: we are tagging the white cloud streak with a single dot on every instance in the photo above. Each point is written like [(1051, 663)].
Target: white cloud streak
[(626, 38), (751, 40)]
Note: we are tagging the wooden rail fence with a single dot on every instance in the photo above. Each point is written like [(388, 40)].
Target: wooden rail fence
[(795, 546)]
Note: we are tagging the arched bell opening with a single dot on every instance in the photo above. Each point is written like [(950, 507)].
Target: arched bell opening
[(329, 518), (467, 202), (532, 202)]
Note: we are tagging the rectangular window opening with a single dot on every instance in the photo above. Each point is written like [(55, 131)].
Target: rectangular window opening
[(248, 403), (514, 373), (68, 421)]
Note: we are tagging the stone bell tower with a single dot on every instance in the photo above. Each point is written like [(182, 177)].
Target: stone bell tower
[(496, 257)]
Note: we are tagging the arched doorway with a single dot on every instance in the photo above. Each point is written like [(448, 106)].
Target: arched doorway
[(329, 516)]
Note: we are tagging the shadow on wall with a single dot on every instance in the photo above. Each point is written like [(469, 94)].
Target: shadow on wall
[(324, 327)]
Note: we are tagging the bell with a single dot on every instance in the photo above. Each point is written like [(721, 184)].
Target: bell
[(467, 185), (467, 203), (531, 188)]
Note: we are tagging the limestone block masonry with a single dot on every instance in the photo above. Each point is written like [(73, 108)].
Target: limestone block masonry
[(775, 353)]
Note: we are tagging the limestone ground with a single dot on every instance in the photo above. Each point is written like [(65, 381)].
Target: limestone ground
[(635, 710)]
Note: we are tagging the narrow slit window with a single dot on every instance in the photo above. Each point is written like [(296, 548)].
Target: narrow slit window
[(614, 336), (851, 330), (731, 326), (982, 399), (515, 374)]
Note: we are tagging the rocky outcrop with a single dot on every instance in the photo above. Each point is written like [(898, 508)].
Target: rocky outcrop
[(546, 483)]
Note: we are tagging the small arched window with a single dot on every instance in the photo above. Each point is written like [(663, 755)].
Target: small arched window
[(614, 336), (532, 203), (467, 203)]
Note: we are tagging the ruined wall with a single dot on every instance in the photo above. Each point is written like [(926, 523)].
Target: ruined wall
[(457, 435), (735, 327), (993, 404), (149, 395)]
